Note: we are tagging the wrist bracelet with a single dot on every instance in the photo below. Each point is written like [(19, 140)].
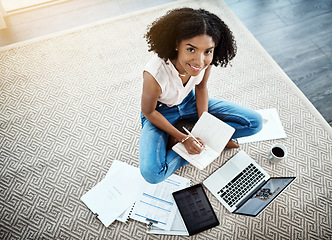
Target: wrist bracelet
[(185, 139)]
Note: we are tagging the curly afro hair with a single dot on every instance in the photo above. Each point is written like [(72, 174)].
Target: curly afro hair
[(185, 23)]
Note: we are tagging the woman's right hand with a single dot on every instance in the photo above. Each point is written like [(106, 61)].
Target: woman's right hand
[(192, 146)]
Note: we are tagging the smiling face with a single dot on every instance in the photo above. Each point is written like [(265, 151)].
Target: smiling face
[(194, 55)]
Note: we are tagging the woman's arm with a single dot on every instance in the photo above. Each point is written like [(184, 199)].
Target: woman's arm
[(150, 95), (201, 94)]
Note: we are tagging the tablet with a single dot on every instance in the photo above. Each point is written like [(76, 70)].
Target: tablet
[(195, 209)]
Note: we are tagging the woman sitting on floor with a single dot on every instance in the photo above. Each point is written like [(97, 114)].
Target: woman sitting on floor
[(187, 43)]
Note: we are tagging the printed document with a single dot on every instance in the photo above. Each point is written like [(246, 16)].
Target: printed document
[(157, 205), (115, 193)]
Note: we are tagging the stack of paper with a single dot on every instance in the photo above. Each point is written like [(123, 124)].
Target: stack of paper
[(115, 193), (123, 194), (157, 205)]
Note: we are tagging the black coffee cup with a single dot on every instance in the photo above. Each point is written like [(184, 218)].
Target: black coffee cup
[(277, 153)]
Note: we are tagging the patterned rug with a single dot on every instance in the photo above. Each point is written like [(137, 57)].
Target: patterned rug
[(70, 104)]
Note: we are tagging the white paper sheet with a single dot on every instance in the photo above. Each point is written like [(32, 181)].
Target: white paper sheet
[(272, 127), (178, 227), (115, 193), (157, 205)]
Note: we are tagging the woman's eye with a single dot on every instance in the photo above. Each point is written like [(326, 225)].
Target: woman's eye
[(208, 51), (191, 50)]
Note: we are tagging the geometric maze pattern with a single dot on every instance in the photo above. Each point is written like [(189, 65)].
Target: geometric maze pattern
[(70, 106)]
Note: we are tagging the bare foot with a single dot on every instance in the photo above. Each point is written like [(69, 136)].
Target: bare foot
[(232, 144)]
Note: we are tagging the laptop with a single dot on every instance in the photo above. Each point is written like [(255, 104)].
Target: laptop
[(244, 187)]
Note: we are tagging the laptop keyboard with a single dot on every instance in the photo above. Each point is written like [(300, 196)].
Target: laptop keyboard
[(240, 185)]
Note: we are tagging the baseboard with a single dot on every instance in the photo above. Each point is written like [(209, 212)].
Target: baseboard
[(45, 3)]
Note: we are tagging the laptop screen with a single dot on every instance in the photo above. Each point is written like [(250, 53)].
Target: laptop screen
[(264, 196)]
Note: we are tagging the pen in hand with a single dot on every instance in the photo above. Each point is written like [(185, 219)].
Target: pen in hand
[(190, 134)]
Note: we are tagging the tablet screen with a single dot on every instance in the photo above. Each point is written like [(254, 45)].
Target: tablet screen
[(195, 209)]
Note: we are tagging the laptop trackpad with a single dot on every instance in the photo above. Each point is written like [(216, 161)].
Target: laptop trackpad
[(227, 172)]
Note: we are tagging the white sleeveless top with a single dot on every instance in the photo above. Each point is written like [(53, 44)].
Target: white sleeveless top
[(172, 90)]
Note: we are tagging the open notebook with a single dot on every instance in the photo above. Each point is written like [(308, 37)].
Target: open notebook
[(214, 133)]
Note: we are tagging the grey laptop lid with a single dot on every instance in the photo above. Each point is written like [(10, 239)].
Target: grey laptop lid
[(264, 195)]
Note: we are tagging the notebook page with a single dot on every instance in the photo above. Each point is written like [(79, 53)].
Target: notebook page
[(198, 160), (215, 135), (214, 132)]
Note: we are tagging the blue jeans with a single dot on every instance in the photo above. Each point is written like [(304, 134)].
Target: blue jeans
[(157, 164)]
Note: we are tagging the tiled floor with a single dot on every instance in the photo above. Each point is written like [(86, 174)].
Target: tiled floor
[(296, 33)]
